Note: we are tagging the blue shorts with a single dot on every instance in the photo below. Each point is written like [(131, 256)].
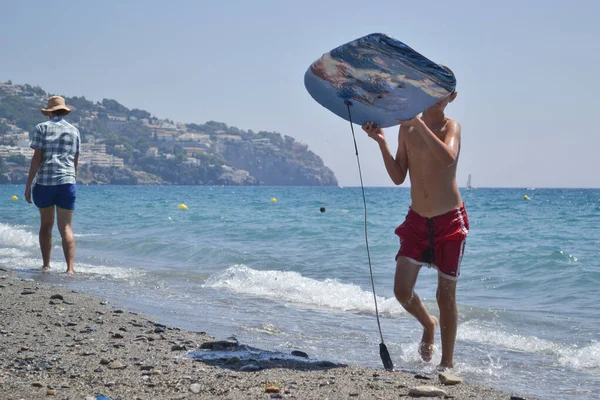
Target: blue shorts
[(62, 196)]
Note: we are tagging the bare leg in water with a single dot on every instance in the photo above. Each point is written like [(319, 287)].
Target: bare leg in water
[(65, 218), (404, 284), (45, 235), (446, 299)]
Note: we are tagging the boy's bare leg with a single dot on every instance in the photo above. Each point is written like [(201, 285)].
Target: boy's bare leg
[(45, 235), (65, 217), (446, 298), (404, 284)]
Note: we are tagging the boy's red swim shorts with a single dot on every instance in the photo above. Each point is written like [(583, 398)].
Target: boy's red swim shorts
[(437, 242)]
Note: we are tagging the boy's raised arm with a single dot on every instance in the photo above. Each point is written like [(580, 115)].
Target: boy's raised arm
[(396, 167)]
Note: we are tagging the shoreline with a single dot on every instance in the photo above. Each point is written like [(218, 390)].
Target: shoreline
[(70, 345)]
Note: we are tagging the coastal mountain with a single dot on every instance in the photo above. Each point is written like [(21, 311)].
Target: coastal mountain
[(130, 146)]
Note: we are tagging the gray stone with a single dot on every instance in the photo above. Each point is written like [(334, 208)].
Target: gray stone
[(195, 388), (299, 353), (116, 365), (220, 345), (449, 379), (426, 391)]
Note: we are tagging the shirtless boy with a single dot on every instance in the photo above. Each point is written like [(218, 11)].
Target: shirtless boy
[(436, 226)]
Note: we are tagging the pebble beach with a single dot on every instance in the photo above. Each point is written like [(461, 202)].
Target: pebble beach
[(61, 344)]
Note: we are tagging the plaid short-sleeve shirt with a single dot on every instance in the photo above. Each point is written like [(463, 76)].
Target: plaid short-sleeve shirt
[(60, 142)]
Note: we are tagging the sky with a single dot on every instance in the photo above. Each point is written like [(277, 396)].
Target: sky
[(526, 72)]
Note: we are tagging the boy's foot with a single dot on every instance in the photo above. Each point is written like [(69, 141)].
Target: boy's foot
[(70, 272), (45, 268), (426, 346)]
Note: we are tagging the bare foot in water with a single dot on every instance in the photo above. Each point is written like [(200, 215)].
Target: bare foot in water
[(426, 346), (46, 268), (70, 272)]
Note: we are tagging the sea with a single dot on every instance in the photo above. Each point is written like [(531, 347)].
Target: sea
[(266, 266)]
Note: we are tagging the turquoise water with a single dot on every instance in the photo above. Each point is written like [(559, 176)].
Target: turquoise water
[(284, 276)]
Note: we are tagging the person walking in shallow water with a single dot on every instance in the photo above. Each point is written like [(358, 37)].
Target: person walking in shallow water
[(53, 168), (435, 228)]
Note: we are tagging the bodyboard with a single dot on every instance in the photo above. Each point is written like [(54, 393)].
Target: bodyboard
[(381, 78)]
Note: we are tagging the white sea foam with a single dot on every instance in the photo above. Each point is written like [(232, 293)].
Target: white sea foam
[(266, 329), (11, 252), (17, 247), (18, 261), (292, 287), (586, 357), (11, 235), (124, 273)]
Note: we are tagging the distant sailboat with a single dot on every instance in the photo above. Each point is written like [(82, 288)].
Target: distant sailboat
[(469, 182)]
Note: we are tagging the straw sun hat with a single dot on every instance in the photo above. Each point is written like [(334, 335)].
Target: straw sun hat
[(55, 103)]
